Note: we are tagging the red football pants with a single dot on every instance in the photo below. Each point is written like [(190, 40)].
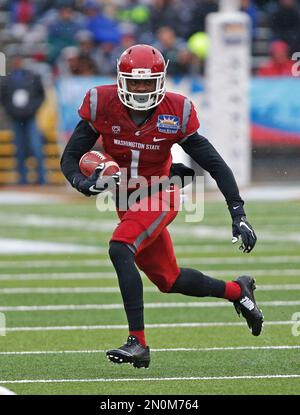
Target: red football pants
[(145, 231)]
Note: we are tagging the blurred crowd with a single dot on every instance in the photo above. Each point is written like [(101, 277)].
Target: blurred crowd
[(44, 40), (85, 37)]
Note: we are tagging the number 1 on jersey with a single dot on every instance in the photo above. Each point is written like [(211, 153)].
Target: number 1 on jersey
[(134, 163)]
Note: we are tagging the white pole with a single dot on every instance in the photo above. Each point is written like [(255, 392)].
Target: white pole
[(229, 5), (227, 86)]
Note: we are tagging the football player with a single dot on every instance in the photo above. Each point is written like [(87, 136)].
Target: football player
[(139, 122)]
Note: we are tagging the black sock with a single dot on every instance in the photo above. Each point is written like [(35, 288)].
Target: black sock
[(194, 283), (130, 283)]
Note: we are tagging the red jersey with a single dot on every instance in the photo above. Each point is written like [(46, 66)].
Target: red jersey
[(143, 150)]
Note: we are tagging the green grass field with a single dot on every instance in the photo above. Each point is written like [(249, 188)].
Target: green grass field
[(64, 310)]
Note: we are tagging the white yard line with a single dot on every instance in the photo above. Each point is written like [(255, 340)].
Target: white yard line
[(106, 262), (200, 249), (247, 260), (228, 248), (148, 326), (27, 246), (58, 263), (177, 349), (59, 276), (99, 225), (242, 377), (70, 290), (278, 287), (42, 221), (91, 290), (25, 197), (111, 275), (77, 307)]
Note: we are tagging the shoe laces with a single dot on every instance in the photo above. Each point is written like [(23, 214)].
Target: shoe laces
[(131, 340)]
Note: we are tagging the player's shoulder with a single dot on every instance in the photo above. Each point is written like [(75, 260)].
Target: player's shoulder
[(176, 101), (175, 97), (104, 89), (108, 88), (181, 108), (97, 101), (101, 96)]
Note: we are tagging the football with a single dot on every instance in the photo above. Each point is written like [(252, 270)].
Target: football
[(90, 160)]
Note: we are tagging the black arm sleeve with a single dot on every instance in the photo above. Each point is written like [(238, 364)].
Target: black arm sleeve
[(81, 141), (204, 153)]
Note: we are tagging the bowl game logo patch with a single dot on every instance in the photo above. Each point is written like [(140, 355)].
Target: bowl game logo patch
[(168, 124)]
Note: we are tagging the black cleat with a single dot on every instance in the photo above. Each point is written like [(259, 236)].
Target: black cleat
[(131, 352), (247, 305)]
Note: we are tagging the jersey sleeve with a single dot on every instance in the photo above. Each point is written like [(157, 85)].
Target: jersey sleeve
[(88, 109), (190, 122)]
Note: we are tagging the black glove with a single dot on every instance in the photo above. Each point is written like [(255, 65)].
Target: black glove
[(93, 185), (242, 228)]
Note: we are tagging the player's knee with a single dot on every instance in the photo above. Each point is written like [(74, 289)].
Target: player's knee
[(118, 250), (164, 288), (161, 280)]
